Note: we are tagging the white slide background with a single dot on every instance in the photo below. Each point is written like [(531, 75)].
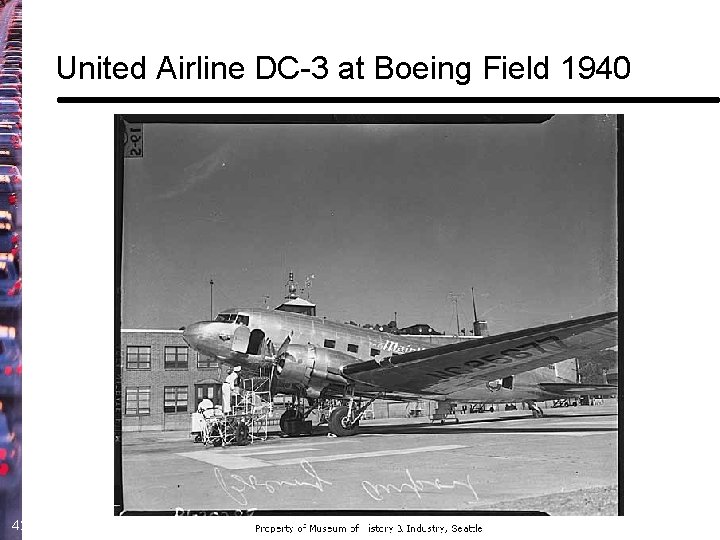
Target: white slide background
[(671, 218)]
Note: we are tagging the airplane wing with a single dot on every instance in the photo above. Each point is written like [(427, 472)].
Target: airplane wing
[(450, 369)]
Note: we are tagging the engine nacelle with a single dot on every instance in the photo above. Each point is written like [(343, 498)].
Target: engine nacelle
[(313, 368)]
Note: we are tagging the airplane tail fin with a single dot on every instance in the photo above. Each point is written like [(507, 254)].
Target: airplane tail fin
[(567, 370)]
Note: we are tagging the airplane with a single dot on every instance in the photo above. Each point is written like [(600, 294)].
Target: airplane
[(319, 361)]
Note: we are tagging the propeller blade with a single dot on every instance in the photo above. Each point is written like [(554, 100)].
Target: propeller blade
[(273, 370), (271, 388), (282, 348)]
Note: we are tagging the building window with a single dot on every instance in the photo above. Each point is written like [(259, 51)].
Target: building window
[(137, 400), (209, 391), (352, 348), (329, 344), (374, 352), (206, 362), (137, 357), (176, 399), (176, 357)]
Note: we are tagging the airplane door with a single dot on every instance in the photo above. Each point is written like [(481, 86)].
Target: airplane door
[(256, 340)]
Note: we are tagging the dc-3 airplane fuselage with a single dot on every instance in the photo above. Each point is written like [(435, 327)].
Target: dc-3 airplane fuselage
[(318, 359)]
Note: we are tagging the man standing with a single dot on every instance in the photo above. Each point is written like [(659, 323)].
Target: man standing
[(236, 388), (227, 388)]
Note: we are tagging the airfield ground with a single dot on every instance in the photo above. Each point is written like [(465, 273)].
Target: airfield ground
[(565, 464)]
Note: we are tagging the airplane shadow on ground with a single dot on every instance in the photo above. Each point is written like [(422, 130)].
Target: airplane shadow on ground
[(457, 428), (480, 425), (466, 419)]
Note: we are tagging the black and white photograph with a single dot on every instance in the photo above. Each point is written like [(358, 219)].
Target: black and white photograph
[(369, 313)]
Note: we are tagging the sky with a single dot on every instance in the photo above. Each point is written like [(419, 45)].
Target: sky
[(388, 218)]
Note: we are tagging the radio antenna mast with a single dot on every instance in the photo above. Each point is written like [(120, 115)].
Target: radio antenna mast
[(472, 289), (454, 299)]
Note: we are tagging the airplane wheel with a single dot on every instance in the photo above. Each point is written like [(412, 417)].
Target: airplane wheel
[(337, 423), (286, 420)]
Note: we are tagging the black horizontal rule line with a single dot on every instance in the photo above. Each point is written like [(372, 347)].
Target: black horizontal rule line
[(387, 99)]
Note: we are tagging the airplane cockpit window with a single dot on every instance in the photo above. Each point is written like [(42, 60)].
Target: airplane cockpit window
[(233, 318)]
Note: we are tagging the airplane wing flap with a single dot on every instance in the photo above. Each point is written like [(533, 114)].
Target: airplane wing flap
[(449, 368), (572, 389)]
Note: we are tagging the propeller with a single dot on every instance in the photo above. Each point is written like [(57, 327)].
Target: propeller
[(278, 362)]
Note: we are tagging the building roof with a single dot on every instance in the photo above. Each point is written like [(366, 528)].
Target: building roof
[(297, 302)]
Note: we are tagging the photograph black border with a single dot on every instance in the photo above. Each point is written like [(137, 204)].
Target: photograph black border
[(119, 169)]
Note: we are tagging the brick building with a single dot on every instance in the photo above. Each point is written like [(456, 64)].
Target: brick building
[(163, 380)]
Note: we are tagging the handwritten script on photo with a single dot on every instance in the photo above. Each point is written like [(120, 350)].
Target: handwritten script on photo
[(238, 487)]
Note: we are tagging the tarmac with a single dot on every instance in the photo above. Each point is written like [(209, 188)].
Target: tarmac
[(485, 461)]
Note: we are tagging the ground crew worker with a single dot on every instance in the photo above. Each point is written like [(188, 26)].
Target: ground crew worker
[(235, 389), (204, 405), (199, 423), (227, 390)]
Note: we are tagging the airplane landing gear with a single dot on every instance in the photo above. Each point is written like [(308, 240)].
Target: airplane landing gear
[(345, 420), (537, 412), (342, 424), (293, 423)]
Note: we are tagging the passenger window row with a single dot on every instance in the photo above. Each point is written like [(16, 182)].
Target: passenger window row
[(352, 347)]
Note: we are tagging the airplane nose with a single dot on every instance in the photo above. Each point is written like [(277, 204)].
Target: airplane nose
[(191, 335)]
